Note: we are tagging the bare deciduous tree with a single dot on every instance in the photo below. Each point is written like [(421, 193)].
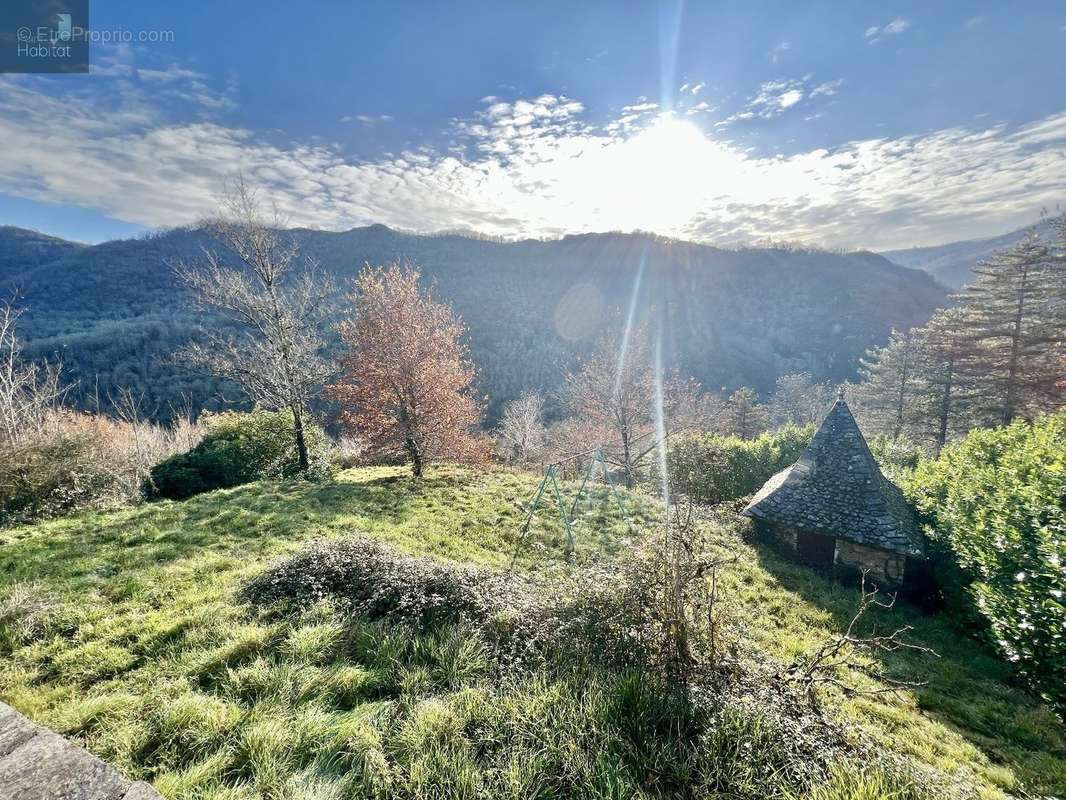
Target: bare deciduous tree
[(521, 432), (618, 395), (28, 391), (278, 302), (798, 400)]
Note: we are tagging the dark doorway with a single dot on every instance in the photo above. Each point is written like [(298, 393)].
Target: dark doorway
[(814, 549)]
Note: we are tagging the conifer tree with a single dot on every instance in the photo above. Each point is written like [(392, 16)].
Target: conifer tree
[(743, 416), (945, 386), (1016, 320), (891, 383)]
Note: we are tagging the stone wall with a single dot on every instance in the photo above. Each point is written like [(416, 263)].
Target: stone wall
[(884, 567), (37, 764)]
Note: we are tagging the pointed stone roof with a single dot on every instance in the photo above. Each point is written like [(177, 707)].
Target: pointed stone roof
[(837, 489)]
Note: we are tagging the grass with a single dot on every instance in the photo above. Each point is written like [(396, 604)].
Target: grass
[(122, 630)]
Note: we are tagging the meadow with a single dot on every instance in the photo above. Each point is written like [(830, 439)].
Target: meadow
[(126, 630)]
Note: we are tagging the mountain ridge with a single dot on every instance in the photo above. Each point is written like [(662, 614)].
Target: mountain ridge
[(114, 312), (952, 263)]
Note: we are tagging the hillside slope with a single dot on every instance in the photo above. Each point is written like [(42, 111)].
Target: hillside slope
[(952, 264), (137, 645), (114, 312)]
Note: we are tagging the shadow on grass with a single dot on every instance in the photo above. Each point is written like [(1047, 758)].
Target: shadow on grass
[(967, 689)]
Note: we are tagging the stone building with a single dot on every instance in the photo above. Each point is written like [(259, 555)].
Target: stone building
[(835, 509)]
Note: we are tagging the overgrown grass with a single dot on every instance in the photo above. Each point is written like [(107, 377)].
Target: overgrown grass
[(125, 632)]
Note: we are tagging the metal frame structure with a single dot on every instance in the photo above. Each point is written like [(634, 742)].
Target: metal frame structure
[(550, 478)]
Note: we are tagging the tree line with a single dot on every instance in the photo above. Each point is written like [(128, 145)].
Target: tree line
[(997, 355)]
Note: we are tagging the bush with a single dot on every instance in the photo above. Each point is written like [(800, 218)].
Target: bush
[(379, 582), (997, 503), (238, 448), (898, 458), (711, 468), (602, 614), (77, 460)]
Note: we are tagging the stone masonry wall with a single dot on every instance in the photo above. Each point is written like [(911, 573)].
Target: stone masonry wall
[(884, 566), (37, 764)]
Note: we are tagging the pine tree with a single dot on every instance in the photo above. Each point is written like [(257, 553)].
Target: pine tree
[(1015, 316), (743, 416), (945, 385), (889, 393)]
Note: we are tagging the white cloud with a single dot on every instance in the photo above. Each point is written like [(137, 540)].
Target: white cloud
[(529, 167), (775, 97), (700, 108), (874, 33), (779, 49), (367, 119)]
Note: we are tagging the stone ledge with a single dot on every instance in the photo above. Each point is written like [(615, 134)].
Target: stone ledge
[(37, 764)]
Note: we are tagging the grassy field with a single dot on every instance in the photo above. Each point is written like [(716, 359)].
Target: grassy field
[(132, 640)]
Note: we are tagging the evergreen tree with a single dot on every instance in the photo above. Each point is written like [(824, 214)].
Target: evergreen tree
[(945, 385), (1015, 318), (743, 416), (891, 382)]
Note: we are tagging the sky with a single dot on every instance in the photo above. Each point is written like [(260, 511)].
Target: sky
[(850, 125)]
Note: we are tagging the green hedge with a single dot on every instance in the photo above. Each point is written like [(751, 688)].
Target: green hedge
[(996, 502), (711, 468), (238, 448)]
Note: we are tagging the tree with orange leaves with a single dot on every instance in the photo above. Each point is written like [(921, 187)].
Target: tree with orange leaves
[(405, 385)]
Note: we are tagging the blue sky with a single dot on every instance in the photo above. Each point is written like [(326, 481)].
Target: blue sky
[(837, 124)]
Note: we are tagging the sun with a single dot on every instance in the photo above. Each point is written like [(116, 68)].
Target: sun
[(657, 178)]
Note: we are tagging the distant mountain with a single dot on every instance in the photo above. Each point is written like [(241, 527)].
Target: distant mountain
[(952, 264), (22, 249), (114, 312)]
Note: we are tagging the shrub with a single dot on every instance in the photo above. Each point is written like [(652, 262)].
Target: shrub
[(896, 458), (238, 448), (600, 614), (378, 582), (711, 468), (997, 504), (77, 460)]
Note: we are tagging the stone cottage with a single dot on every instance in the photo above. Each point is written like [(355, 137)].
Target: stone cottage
[(835, 509)]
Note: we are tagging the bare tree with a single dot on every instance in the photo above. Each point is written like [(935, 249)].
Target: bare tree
[(616, 391), (28, 391), (277, 301), (798, 400), (521, 432)]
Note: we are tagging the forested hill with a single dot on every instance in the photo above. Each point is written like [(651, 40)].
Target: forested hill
[(114, 312)]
